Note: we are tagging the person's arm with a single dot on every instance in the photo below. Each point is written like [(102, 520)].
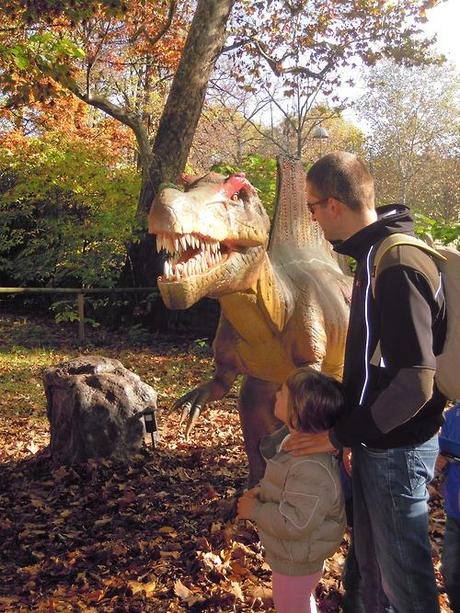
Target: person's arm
[(442, 463), (301, 509), (403, 297), (302, 443)]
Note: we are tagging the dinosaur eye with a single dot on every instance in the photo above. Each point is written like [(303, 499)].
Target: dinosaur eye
[(243, 196), (237, 197)]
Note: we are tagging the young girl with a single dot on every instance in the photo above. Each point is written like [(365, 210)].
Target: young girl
[(298, 505)]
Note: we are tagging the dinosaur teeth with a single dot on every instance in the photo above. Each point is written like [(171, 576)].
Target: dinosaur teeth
[(202, 261), (164, 242), (177, 244)]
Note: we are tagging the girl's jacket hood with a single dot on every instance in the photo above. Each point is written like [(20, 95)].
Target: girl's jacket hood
[(392, 218)]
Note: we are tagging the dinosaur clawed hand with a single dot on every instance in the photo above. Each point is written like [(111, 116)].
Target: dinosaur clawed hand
[(192, 405)]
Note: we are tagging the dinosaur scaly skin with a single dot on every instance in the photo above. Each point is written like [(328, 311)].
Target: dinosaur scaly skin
[(281, 308)]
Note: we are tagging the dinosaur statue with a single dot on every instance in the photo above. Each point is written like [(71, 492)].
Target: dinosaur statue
[(283, 297)]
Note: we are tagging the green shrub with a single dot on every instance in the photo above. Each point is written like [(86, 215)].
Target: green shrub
[(437, 230), (65, 214)]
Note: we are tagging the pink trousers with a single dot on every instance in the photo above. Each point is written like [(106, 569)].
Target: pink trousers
[(292, 594)]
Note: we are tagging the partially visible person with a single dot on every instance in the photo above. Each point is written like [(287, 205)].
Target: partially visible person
[(394, 407), (449, 462), (298, 506)]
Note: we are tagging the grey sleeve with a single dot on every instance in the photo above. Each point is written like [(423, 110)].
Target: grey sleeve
[(408, 392)]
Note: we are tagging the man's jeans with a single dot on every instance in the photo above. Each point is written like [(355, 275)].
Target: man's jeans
[(390, 518), (451, 562)]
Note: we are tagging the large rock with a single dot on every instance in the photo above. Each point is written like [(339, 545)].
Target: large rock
[(94, 406)]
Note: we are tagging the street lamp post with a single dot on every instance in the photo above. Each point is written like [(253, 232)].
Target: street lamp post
[(321, 134)]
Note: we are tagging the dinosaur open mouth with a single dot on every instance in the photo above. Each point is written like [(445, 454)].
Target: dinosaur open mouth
[(190, 254)]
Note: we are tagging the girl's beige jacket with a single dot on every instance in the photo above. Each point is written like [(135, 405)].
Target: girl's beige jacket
[(300, 512)]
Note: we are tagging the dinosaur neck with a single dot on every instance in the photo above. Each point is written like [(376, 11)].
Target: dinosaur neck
[(265, 295)]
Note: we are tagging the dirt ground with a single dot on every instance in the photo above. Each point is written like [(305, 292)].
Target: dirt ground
[(157, 534)]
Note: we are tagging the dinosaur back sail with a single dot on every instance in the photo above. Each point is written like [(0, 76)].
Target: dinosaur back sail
[(292, 221)]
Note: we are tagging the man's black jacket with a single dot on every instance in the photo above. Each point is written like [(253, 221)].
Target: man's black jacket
[(392, 341)]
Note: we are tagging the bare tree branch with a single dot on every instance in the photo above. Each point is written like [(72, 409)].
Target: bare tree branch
[(236, 45), (122, 115), (153, 40)]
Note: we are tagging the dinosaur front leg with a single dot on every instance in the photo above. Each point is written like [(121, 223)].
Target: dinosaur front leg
[(257, 400)]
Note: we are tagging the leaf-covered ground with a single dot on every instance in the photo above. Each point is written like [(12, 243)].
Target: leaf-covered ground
[(157, 534)]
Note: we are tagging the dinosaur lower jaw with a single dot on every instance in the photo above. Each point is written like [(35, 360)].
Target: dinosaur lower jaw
[(232, 272)]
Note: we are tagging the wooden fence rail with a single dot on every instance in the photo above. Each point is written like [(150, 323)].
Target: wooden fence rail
[(80, 293)]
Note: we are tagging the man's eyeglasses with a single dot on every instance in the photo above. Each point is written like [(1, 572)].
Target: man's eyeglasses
[(311, 205)]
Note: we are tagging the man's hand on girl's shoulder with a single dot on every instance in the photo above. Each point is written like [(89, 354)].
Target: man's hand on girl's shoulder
[(303, 443)]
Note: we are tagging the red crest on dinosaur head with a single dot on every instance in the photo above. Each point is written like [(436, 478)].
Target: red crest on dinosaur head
[(235, 183)]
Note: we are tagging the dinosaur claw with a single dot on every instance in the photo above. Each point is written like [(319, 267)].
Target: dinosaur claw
[(193, 418), (185, 412), (191, 406)]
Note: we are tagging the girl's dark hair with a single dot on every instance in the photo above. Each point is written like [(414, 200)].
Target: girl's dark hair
[(315, 400)]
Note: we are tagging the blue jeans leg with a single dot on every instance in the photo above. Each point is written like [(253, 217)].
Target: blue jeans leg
[(372, 595), (451, 562), (392, 485)]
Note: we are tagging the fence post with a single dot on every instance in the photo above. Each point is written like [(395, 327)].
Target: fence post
[(81, 317)]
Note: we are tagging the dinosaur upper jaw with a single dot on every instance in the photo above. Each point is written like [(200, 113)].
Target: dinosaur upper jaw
[(200, 266)]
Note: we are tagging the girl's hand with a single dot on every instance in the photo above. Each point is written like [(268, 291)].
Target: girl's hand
[(247, 503), (253, 491)]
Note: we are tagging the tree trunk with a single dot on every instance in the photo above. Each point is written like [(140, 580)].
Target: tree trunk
[(177, 126), (183, 107)]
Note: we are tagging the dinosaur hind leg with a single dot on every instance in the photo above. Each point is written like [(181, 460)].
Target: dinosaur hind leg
[(257, 400)]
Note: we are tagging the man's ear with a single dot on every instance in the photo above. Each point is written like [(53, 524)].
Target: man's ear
[(336, 207)]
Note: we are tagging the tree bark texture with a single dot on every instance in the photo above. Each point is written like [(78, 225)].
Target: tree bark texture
[(185, 101)]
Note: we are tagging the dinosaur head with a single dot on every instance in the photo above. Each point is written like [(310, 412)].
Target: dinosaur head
[(215, 234)]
